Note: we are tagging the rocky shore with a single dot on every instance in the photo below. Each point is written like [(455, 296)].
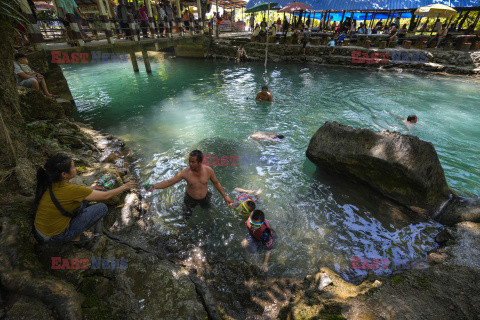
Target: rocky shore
[(429, 60)]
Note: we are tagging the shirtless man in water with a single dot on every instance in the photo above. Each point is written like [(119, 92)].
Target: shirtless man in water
[(264, 95), (197, 176)]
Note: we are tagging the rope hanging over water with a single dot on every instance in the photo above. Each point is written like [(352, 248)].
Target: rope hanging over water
[(266, 48)]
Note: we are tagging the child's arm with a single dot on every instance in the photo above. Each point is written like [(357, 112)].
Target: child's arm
[(255, 192), (264, 267)]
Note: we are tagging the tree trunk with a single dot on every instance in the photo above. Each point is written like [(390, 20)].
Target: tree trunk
[(11, 140)]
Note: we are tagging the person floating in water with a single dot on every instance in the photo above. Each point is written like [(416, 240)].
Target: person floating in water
[(260, 236), (245, 201), (410, 120), (197, 176), (267, 136), (264, 95)]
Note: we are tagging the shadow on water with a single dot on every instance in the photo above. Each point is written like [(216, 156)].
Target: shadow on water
[(351, 191)]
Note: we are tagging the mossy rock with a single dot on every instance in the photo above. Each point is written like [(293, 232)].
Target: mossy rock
[(96, 289)]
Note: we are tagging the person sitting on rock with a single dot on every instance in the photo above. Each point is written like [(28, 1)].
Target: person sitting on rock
[(60, 219), (341, 38), (260, 236), (241, 54), (28, 78)]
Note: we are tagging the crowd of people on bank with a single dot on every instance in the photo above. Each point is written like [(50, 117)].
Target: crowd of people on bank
[(300, 30)]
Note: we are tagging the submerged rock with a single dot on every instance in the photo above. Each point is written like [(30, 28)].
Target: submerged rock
[(401, 167), (460, 209)]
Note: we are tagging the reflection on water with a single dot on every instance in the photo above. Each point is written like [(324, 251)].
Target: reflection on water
[(321, 219)]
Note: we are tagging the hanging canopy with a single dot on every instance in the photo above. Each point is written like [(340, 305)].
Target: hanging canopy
[(436, 10), (261, 7), (295, 6), (339, 5)]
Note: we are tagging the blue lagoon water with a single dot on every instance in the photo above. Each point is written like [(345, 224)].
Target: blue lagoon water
[(321, 220)]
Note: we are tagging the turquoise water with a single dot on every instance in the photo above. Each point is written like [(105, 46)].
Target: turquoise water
[(321, 220)]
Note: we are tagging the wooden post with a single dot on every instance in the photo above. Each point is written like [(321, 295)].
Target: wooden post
[(200, 16), (151, 19), (105, 23), (32, 27), (133, 58), (146, 61), (180, 21), (111, 15), (463, 20), (133, 30), (215, 22), (373, 18)]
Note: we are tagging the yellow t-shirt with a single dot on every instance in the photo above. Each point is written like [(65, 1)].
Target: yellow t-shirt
[(49, 221)]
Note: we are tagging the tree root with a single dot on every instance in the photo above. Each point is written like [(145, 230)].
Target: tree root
[(58, 293)]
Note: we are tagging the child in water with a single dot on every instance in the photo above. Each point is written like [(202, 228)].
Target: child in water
[(245, 201), (260, 236)]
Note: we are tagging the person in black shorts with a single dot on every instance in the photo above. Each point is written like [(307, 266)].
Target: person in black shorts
[(197, 176)]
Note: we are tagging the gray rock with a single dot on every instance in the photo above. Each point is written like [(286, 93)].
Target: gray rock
[(465, 251), (460, 209), (26, 308), (401, 167), (324, 281), (26, 175)]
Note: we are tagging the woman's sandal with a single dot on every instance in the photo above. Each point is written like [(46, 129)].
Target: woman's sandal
[(54, 96)]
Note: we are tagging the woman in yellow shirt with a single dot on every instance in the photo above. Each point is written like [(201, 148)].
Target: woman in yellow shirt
[(53, 226)]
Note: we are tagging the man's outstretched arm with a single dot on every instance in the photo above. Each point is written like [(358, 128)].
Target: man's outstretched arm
[(170, 182), (219, 187)]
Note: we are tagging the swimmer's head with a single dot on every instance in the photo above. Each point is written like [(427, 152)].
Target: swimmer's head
[(280, 136), (257, 216), (265, 88), (250, 205), (412, 118), (195, 159)]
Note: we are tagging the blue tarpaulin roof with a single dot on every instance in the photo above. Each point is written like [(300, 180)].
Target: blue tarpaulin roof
[(372, 4)]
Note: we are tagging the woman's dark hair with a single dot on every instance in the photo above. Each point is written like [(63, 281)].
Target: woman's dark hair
[(19, 55), (258, 215), (251, 204), (51, 172), (198, 154), (411, 117)]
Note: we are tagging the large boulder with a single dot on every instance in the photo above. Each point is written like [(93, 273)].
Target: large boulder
[(402, 167)]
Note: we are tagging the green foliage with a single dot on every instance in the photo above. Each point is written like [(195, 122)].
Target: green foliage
[(38, 137), (423, 283), (397, 280), (9, 10), (330, 316)]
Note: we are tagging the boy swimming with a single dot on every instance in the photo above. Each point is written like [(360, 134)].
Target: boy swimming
[(245, 201)]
